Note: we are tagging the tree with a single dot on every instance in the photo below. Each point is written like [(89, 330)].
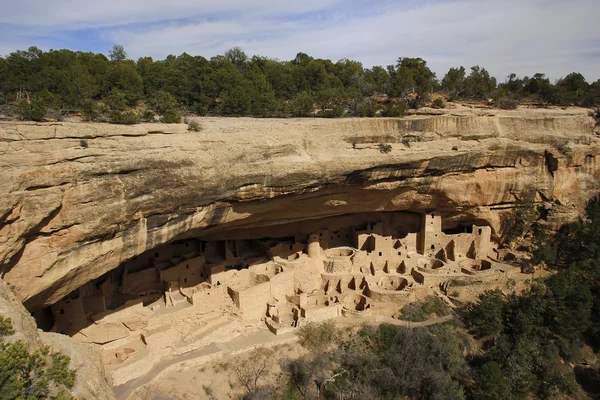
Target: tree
[(454, 82), (412, 75), (302, 104), (253, 369), (479, 84), (237, 57), (163, 102), (40, 374), (490, 383), (486, 316), (117, 54)]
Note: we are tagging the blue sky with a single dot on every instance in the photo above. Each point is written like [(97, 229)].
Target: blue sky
[(522, 36)]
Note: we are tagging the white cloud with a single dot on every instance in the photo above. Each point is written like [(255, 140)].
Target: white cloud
[(94, 13), (522, 36)]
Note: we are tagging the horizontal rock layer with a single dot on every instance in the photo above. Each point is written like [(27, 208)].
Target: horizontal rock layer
[(79, 199)]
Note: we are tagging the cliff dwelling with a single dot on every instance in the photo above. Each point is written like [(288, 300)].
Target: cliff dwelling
[(186, 246), (360, 265)]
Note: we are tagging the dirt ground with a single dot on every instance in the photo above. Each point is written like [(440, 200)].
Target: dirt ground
[(217, 378)]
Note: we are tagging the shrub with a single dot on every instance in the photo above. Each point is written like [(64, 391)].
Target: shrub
[(508, 104), (37, 375), (334, 112), (193, 125), (124, 118), (83, 143), (394, 110), (302, 105), (33, 111), (385, 148), (90, 111), (317, 337), (486, 318), (438, 103), (148, 115), (6, 328), (423, 310), (171, 117)]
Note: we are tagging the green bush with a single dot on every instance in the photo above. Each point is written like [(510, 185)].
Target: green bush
[(425, 309), (395, 110), (33, 111), (148, 115), (508, 104), (32, 375), (438, 103), (485, 317), (124, 118), (171, 117), (302, 105)]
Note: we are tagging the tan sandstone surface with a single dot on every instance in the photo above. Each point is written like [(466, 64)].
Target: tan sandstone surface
[(79, 199)]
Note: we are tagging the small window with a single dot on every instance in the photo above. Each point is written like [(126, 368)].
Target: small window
[(201, 274), (380, 254), (291, 246), (187, 266), (346, 235), (62, 311), (432, 246), (185, 280), (186, 245), (156, 254), (399, 253), (320, 235), (481, 231)]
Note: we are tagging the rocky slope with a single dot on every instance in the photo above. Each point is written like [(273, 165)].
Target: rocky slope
[(90, 381), (79, 199)]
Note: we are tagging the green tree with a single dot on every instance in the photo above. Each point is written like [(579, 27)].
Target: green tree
[(479, 84), (486, 316), (454, 82), (237, 57), (117, 53), (302, 105), (163, 102), (490, 383), (412, 75)]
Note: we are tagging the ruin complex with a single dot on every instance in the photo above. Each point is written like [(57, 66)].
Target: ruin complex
[(280, 283), (153, 242)]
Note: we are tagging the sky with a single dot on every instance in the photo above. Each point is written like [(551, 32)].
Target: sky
[(555, 37)]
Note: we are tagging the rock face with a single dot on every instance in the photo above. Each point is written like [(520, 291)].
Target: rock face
[(79, 199), (90, 381)]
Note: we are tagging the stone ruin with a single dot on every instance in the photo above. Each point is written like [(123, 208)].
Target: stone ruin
[(352, 271)]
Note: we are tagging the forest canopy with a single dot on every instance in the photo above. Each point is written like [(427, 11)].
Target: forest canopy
[(36, 84)]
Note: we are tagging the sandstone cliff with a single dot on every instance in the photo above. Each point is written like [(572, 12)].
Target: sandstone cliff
[(79, 199)]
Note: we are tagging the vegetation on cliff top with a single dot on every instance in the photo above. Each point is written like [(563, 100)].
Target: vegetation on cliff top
[(35, 85)]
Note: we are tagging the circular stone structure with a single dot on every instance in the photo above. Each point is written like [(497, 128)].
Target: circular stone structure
[(339, 260), (356, 304), (391, 283), (476, 267), (430, 265)]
